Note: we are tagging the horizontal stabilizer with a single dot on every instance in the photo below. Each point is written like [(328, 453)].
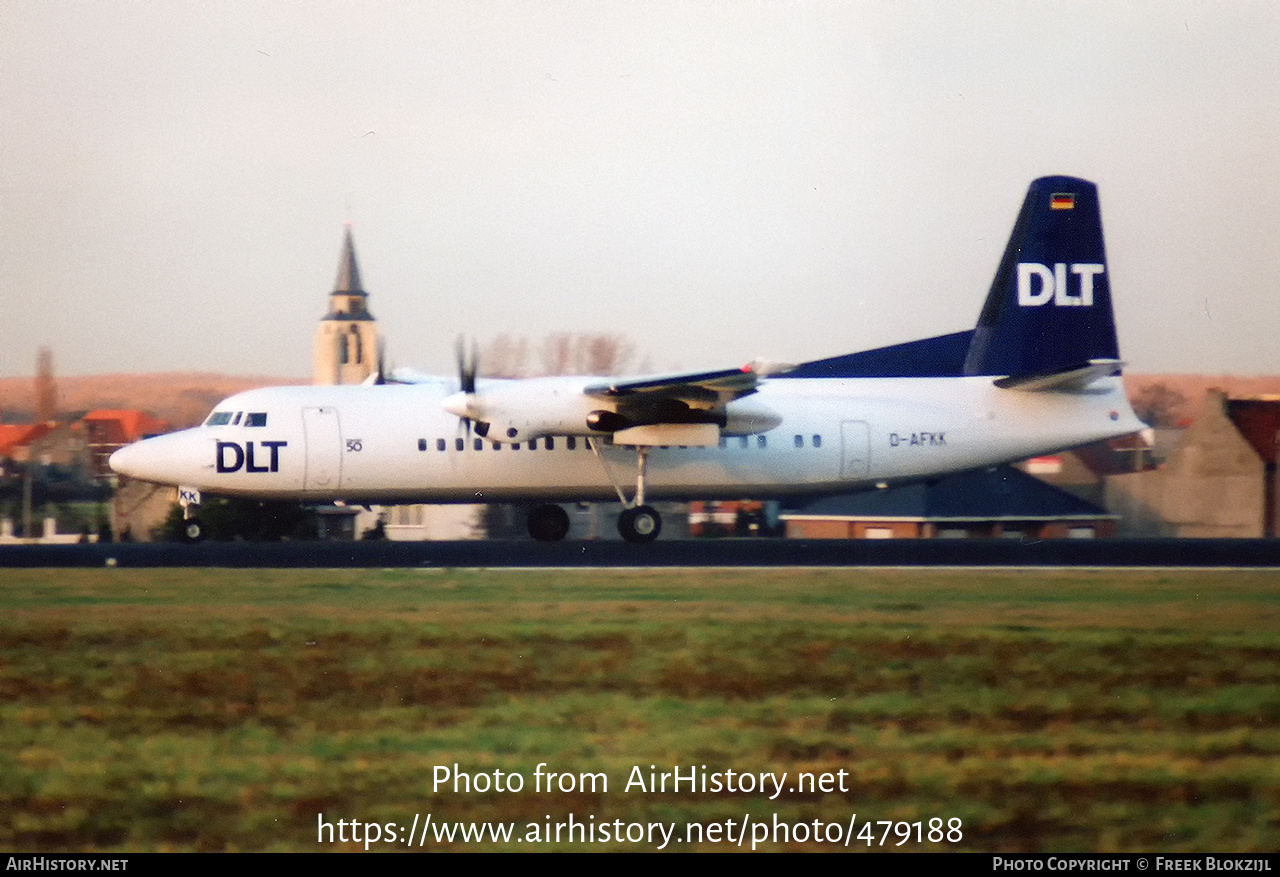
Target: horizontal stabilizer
[(1070, 381)]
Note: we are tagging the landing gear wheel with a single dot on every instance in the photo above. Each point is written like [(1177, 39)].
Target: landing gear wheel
[(640, 524), (548, 523), (192, 530)]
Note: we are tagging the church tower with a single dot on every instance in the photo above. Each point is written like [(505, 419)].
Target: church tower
[(347, 338)]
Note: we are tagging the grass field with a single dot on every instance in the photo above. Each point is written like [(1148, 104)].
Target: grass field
[(1047, 710)]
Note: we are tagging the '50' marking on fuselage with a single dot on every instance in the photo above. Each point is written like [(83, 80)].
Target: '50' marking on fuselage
[(231, 457)]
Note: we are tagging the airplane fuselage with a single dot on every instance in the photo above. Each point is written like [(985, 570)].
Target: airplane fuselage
[(396, 444)]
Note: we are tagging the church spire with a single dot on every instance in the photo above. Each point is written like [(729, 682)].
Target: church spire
[(348, 282), (348, 301), (347, 338)]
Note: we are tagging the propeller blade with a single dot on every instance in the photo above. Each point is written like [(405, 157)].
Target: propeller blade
[(467, 367)]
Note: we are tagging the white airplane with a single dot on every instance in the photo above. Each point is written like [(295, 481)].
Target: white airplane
[(1039, 374)]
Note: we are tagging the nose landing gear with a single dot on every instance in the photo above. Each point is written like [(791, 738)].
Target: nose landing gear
[(192, 528)]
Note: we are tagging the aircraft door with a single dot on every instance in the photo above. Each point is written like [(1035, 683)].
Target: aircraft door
[(855, 449), (324, 448)]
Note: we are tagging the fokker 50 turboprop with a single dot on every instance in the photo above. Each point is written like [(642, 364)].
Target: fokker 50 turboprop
[(1039, 373)]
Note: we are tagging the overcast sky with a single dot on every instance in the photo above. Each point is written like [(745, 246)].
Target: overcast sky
[(718, 181)]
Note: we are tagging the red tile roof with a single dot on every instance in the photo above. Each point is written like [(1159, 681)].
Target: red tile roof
[(133, 425), (14, 436)]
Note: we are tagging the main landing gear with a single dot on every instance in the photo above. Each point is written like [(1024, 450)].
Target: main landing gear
[(548, 523), (638, 523)]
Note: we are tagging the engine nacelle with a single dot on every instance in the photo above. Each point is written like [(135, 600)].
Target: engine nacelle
[(607, 421), (748, 417), (518, 411)]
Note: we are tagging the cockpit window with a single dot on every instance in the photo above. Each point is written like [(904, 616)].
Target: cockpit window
[(236, 420), (255, 418), (218, 418)]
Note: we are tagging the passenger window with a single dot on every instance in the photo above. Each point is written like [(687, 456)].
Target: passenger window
[(762, 441), (422, 444), (551, 443), (256, 418), (479, 444), (459, 444), (817, 441), (570, 442), (440, 446), (799, 441)]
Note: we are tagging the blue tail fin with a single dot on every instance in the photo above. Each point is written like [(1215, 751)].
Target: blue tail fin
[(1048, 312), (1049, 308)]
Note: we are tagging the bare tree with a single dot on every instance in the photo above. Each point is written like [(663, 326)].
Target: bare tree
[(561, 353), (605, 354), (557, 354), (506, 356)]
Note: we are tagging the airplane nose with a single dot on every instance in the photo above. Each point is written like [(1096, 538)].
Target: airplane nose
[(125, 460), (165, 459)]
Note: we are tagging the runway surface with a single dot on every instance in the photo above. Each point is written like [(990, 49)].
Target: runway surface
[(675, 553)]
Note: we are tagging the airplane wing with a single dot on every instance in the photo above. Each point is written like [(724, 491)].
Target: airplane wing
[(695, 388), (404, 375)]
